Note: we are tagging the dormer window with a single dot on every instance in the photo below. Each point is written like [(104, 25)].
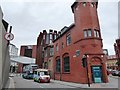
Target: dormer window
[(92, 4), (68, 39), (84, 4)]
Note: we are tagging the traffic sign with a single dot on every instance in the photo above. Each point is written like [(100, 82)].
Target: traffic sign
[(9, 36)]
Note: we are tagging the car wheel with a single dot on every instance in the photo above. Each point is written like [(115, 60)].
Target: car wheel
[(49, 81), (39, 81)]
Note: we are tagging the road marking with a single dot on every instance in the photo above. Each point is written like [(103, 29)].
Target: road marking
[(41, 87)]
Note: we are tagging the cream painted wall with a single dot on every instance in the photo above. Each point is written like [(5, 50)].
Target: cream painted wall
[(4, 55), (0, 48)]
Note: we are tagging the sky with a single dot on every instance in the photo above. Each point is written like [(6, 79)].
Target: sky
[(30, 17)]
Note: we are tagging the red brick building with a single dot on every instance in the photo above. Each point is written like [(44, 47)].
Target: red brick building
[(117, 50), (111, 62), (117, 47), (28, 51), (44, 55), (80, 39)]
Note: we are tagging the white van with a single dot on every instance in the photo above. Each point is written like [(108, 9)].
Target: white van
[(41, 75)]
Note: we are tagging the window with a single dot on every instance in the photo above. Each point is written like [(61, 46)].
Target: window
[(62, 45), (50, 36), (42, 54), (66, 64), (51, 51), (76, 7), (45, 65), (42, 48), (85, 33), (56, 47), (55, 36), (58, 65), (43, 36), (89, 32), (47, 39), (68, 39), (41, 42), (92, 4), (50, 41), (96, 33), (84, 4), (46, 53), (77, 53)]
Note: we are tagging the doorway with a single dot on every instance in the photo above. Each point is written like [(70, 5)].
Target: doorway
[(96, 74)]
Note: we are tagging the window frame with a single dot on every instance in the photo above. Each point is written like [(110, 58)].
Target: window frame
[(58, 65), (62, 45), (96, 33), (57, 48), (92, 4), (68, 39), (85, 33), (46, 52), (84, 4), (66, 64), (51, 51), (89, 33)]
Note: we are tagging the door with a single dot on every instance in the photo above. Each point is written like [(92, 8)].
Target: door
[(96, 74)]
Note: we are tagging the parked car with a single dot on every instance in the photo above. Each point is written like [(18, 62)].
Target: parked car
[(115, 72), (28, 71), (41, 75), (109, 71), (27, 75), (119, 74)]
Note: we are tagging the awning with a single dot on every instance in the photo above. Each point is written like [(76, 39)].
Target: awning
[(23, 60)]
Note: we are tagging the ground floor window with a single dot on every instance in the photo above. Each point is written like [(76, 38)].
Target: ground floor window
[(58, 65), (66, 64)]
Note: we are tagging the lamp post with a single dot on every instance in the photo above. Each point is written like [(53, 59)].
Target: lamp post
[(85, 65)]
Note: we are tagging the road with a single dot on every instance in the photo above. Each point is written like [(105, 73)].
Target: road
[(25, 83), (19, 82)]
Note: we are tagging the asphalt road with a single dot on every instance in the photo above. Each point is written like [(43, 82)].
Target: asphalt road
[(25, 83), (19, 82)]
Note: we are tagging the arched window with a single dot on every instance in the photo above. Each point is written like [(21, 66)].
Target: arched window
[(58, 65), (66, 60)]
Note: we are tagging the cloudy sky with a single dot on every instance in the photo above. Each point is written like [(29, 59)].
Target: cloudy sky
[(30, 17)]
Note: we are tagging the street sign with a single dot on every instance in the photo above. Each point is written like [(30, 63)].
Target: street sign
[(9, 36)]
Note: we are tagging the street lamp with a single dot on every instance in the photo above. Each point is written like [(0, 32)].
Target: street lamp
[(85, 65)]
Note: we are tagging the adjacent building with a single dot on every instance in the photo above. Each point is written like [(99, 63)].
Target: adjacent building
[(28, 51), (13, 50), (45, 50), (117, 51), (112, 62)]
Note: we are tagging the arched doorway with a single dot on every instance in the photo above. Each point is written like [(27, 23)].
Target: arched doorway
[(96, 70)]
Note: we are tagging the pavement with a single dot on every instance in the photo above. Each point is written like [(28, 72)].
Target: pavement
[(94, 85), (11, 83)]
